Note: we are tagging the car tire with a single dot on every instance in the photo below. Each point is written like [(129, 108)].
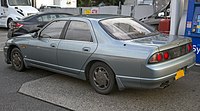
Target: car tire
[(9, 23), (10, 33), (17, 60), (102, 78)]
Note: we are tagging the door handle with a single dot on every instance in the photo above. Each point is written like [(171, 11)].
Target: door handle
[(53, 45), (86, 49)]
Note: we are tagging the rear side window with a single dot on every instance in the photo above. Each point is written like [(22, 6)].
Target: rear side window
[(79, 31), (62, 15), (53, 30), (46, 18)]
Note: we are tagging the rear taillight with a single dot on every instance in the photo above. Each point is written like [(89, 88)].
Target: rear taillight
[(170, 53), (159, 57), (166, 55), (189, 47), (17, 25)]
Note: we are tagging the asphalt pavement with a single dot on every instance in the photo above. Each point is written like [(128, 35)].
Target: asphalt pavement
[(75, 94), (10, 83), (3, 37)]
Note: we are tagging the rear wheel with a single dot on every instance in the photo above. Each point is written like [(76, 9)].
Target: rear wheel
[(17, 60), (101, 78)]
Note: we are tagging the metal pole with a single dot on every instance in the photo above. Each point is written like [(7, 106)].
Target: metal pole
[(175, 16), (133, 9), (119, 8), (80, 11)]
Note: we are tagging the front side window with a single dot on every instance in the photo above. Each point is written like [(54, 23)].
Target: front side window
[(19, 2), (79, 31), (125, 28), (53, 30)]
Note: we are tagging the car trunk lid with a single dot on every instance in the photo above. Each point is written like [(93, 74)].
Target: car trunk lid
[(163, 42), (168, 47)]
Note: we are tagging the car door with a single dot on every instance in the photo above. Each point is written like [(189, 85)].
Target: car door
[(77, 46), (3, 13), (42, 50)]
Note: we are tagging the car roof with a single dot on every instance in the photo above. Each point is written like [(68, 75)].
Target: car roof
[(99, 16), (95, 16), (39, 13)]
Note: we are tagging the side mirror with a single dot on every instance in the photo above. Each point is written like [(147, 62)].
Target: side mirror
[(35, 35)]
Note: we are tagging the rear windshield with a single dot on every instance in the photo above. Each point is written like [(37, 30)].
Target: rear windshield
[(125, 28), (29, 17)]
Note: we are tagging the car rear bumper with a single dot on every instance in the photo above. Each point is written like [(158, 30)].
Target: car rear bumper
[(155, 76), (147, 83)]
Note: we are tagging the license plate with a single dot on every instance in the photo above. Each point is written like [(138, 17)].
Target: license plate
[(179, 74)]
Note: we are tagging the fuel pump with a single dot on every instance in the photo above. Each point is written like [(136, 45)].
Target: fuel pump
[(193, 26)]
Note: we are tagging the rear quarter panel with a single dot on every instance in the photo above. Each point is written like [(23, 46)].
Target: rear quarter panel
[(125, 59)]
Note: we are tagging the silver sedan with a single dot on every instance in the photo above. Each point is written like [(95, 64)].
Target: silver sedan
[(108, 50)]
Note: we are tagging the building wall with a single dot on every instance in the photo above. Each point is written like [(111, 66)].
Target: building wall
[(40, 3), (56, 2)]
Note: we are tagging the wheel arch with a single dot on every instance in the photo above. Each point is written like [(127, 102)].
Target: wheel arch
[(7, 22), (11, 47), (90, 63)]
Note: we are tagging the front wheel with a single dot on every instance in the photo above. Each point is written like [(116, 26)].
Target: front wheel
[(9, 23), (17, 60), (101, 78)]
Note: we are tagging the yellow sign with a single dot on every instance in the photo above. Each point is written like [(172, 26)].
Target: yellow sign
[(198, 26), (87, 11)]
